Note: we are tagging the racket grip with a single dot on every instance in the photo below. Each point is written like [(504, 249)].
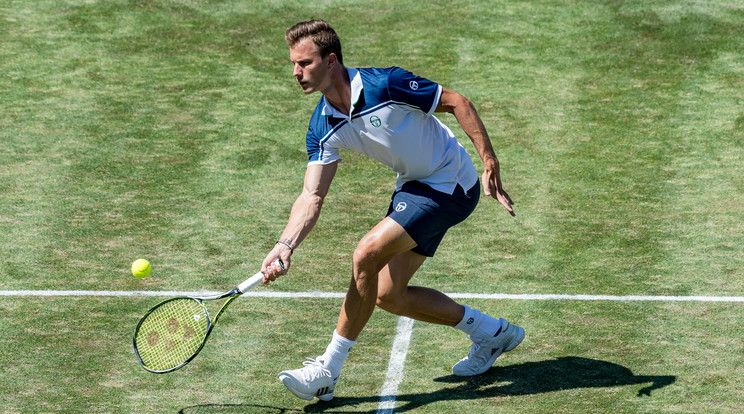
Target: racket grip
[(252, 281)]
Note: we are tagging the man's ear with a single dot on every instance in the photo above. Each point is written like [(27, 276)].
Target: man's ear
[(332, 60)]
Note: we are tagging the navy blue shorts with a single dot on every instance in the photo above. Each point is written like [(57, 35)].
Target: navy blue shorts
[(426, 214)]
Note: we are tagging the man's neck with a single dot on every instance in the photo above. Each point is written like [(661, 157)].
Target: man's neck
[(339, 93)]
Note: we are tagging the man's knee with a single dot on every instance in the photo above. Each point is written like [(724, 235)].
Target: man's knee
[(367, 254)]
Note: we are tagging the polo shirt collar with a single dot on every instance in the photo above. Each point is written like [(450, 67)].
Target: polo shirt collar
[(356, 92)]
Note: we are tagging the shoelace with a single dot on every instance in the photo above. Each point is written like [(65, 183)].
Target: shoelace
[(314, 369), (473, 354)]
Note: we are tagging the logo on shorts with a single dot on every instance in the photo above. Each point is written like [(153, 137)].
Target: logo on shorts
[(375, 121), (401, 206), (413, 85)]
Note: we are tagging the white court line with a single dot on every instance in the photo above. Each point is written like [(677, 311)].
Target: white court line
[(615, 298), (394, 374), (164, 293), (270, 294)]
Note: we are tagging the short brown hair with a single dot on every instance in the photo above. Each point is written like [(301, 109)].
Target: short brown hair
[(322, 35)]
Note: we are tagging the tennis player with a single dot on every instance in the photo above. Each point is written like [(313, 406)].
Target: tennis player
[(387, 114)]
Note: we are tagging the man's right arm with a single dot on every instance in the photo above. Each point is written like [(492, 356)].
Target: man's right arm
[(302, 218)]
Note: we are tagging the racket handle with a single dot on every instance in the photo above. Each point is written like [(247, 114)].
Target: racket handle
[(252, 281)]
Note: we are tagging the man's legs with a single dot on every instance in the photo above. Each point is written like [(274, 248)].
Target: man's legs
[(383, 266)]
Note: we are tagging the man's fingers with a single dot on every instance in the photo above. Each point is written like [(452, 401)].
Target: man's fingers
[(506, 202)]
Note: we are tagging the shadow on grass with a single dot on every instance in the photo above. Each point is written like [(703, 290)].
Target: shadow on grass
[(524, 379), (237, 408)]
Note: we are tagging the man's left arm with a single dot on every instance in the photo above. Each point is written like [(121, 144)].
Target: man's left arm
[(467, 116)]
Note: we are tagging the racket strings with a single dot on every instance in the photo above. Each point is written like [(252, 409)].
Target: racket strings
[(170, 334)]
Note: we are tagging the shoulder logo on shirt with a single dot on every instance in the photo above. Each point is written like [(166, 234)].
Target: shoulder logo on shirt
[(413, 85), (375, 121), (401, 206)]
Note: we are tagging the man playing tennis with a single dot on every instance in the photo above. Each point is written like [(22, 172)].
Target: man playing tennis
[(387, 114)]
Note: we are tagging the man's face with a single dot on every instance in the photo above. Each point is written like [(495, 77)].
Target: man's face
[(310, 70)]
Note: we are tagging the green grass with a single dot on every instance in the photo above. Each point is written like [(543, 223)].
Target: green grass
[(173, 130)]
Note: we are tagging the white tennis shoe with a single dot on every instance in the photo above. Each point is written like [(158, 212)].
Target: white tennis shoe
[(485, 350), (313, 380)]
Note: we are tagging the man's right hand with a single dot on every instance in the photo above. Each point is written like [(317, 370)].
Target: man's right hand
[(271, 267)]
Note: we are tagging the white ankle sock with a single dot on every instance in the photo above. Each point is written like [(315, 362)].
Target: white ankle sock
[(336, 353), (478, 324)]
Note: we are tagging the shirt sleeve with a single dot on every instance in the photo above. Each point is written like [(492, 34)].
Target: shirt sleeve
[(318, 152), (407, 88)]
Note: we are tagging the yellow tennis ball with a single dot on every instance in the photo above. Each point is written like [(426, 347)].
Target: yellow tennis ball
[(141, 268)]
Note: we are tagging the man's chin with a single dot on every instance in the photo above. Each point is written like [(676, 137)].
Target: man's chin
[(305, 87)]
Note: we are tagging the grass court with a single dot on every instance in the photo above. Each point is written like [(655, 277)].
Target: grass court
[(173, 130)]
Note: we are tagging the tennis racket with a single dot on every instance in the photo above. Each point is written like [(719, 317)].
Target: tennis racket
[(173, 332)]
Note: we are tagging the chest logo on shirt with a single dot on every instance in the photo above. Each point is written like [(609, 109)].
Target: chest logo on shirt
[(375, 121), (413, 85)]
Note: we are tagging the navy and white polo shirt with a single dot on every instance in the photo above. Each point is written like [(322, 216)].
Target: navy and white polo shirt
[(391, 121)]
